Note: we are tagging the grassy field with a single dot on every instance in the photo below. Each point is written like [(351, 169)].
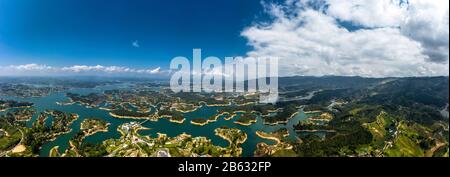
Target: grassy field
[(407, 142), (13, 138)]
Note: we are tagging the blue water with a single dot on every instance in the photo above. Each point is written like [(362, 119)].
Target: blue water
[(162, 125)]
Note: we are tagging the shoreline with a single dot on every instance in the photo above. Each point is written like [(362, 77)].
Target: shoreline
[(214, 105), (212, 120), (315, 131), (126, 117), (199, 123), (64, 103), (20, 107), (281, 121), (105, 109), (177, 121), (233, 115), (24, 120), (54, 151), (246, 124), (186, 111), (312, 112), (94, 131), (268, 136), (216, 131), (245, 104), (320, 120), (6, 133)]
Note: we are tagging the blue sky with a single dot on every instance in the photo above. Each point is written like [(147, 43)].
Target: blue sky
[(370, 38), (61, 33)]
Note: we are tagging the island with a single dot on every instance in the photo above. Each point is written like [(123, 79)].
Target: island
[(8, 104), (126, 114), (23, 141), (280, 148), (282, 116), (28, 91), (91, 126), (235, 138), (246, 119), (22, 115), (316, 122), (199, 121)]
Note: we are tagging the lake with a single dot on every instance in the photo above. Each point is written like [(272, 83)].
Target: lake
[(162, 125)]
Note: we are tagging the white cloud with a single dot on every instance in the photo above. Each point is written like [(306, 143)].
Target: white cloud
[(135, 43), (156, 70), (425, 21), (428, 23), (310, 41), (36, 69), (369, 13), (119, 69), (82, 68), (97, 68), (28, 67)]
